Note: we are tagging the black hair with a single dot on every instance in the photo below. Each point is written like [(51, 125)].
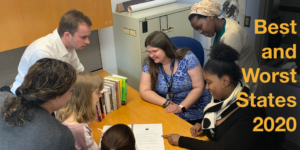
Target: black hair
[(222, 62), (191, 16)]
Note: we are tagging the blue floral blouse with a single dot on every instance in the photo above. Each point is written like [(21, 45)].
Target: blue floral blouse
[(182, 86)]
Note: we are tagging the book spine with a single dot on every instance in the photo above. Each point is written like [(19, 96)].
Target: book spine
[(117, 100), (97, 116), (125, 92), (101, 107), (99, 112)]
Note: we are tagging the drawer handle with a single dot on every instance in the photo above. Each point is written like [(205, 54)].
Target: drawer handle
[(168, 29)]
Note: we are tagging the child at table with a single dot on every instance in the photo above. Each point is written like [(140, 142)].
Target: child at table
[(118, 137), (80, 110)]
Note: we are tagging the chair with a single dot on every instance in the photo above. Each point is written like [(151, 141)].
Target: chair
[(194, 45)]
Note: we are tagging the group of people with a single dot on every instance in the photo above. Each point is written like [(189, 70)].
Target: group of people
[(51, 80)]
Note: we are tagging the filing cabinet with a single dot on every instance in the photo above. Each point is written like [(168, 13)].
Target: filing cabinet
[(132, 29)]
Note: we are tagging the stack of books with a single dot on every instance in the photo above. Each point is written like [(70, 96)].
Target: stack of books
[(114, 95)]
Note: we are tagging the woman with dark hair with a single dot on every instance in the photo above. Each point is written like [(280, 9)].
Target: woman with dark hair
[(172, 78), (26, 118), (204, 18), (224, 123), (118, 137)]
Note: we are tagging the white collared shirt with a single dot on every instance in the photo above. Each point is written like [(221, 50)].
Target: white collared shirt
[(49, 46)]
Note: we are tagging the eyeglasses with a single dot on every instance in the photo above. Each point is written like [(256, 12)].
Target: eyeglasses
[(151, 52)]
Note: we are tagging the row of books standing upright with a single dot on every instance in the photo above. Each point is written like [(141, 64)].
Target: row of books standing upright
[(114, 95)]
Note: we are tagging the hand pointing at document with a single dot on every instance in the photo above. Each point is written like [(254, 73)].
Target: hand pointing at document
[(172, 138)]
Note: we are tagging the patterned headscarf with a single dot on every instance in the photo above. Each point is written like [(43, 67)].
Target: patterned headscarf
[(206, 8)]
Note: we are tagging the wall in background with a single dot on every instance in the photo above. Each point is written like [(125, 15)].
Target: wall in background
[(22, 22), (107, 45)]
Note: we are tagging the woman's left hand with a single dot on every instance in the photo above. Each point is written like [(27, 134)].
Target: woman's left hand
[(173, 108), (172, 138)]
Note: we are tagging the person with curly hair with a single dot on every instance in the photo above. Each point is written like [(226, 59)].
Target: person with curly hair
[(26, 121), (227, 125)]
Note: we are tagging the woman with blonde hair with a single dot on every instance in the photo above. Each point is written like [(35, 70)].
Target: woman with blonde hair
[(26, 121), (80, 110)]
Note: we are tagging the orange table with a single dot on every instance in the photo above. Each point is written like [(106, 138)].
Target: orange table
[(138, 111)]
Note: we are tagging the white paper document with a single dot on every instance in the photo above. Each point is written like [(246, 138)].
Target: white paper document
[(147, 136)]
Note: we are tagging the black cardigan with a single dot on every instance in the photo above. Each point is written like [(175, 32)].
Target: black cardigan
[(236, 133)]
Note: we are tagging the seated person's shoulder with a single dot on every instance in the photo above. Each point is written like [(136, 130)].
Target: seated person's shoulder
[(190, 60), (67, 140), (189, 55), (82, 133), (63, 135), (252, 111), (79, 129), (4, 96), (46, 39), (46, 43), (145, 67)]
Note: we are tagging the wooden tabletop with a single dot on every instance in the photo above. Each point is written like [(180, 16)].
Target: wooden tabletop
[(138, 111)]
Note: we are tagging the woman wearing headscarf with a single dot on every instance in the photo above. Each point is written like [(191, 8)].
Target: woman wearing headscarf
[(204, 18)]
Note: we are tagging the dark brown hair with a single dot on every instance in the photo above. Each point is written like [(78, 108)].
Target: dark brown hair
[(70, 20), (45, 80), (161, 40), (222, 62), (118, 137)]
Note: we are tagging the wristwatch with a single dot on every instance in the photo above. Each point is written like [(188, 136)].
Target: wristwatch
[(166, 104), (182, 108)]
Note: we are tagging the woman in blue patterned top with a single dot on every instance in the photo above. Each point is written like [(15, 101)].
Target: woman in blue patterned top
[(173, 79)]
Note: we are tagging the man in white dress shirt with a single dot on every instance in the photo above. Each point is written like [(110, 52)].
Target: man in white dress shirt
[(72, 34)]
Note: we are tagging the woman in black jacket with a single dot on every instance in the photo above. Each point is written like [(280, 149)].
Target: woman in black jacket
[(228, 126)]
